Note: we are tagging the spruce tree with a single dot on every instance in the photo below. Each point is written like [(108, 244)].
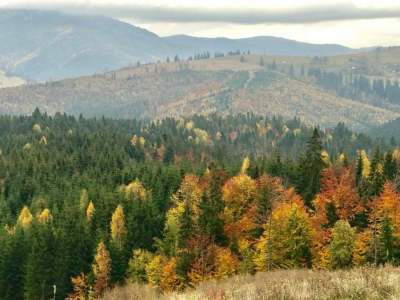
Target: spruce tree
[(211, 206), (310, 169)]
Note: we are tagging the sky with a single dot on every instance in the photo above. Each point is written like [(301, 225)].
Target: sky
[(353, 23)]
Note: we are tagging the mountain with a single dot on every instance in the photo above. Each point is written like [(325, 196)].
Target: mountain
[(260, 45), (43, 45), (225, 85), (49, 45)]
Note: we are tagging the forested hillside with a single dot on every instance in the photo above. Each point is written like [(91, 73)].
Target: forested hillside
[(359, 90), (87, 204)]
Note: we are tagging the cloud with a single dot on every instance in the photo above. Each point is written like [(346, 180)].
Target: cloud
[(246, 16)]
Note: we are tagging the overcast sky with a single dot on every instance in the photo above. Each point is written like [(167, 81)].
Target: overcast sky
[(355, 23)]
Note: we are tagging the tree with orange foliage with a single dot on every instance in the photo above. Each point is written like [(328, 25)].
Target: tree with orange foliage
[(226, 263), (203, 265), (80, 288), (338, 200), (170, 280), (385, 223), (387, 205), (339, 188)]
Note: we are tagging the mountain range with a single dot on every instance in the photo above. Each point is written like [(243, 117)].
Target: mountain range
[(48, 45)]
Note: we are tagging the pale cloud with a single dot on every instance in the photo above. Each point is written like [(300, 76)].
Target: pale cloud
[(351, 22)]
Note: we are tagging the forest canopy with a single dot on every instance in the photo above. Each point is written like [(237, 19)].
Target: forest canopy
[(86, 204)]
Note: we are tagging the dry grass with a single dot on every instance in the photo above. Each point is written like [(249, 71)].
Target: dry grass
[(363, 284)]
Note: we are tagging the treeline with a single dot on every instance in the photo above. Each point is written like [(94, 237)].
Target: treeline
[(89, 203), (357, 86)]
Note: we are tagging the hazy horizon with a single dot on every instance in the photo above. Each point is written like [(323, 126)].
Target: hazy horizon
[(353, 23)]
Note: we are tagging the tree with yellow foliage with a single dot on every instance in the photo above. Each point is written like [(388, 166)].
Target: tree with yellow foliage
[(135, 190), (25, 218), (238, 194), (287, 238), (90, 210), (182, 216), (245, 165), (362, 247), (154, 270), (101, 269), (118, 228), (45, 216), (137, 265)]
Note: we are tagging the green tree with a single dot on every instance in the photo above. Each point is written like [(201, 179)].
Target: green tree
[(211, 207), (39, 273), (310, 169), (341, 246)]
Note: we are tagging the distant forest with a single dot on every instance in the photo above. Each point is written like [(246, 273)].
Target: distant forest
[(86, 204)]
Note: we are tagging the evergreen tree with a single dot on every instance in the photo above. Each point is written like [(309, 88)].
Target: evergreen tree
[(310, 169), (39, 274), (211, 207), (376, 177), (390, 166), (386, 241)]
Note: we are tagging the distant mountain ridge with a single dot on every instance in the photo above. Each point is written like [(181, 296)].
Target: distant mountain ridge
[(49, 45), (260, 45)]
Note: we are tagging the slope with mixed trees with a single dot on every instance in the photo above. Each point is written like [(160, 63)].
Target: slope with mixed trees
[(87, 204), (320, 91)]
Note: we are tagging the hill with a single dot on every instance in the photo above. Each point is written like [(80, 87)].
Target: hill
[(44, 45), (226, 85)]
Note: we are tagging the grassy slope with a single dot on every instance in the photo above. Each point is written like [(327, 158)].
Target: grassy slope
[(356, 284)]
